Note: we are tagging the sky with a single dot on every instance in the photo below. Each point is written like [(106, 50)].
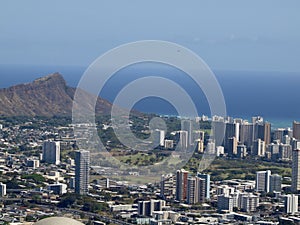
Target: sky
[(228, 35)]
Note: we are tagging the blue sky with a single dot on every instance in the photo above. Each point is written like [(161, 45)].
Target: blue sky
[(228, 35)]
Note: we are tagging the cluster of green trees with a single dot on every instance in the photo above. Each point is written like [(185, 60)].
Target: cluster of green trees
[(87, 203)]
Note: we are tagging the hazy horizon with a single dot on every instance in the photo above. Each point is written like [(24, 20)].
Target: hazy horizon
[(232, 35)]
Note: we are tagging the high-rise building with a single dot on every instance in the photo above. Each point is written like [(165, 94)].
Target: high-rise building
[(257, 123), (181, 184), (291, 204), (159, 137), (259, 148), (273, 148), (232, 146), (266, 133), (296, 130), (206, 178), (232, 130), (202, 190), (296, 170), (210, 147), (195, 190), (246, 134), (285, 152), (198, 134), (286, 139), (241, 151), (182, 140), (295, 143), (279, 134), (51, 152), (192, 189), (188, 127), (225, 202), (249, 203), (261, 129), (263, 181), (199, 146), (275, 183), (168, 186), (2, 190), (218, 131), (236, 196), (82, 169)]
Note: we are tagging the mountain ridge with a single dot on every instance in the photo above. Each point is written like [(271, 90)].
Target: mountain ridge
[(46, 96)]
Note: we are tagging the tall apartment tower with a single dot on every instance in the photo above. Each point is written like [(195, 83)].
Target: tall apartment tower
[(232, 146), (261, 130), (249, 203), (182, 140), (267, 132), (159, 137), (192, 189), (296, 130), (206, 178), (167, 186), (187, 126), (275, 183), (241, 151), (195, 190), (263, 181), (225, 202), (296, 170), (51, 152), (82, 166), (218, 131), (232, 130), (210, 147), (259, 148), (181, 184), (247, 134)]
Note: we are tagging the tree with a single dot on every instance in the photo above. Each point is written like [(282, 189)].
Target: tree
[(67, 201)]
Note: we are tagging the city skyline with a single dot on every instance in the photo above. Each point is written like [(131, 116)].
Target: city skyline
[(149, 112)]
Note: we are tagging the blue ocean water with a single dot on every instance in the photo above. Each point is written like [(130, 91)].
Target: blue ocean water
[(273, 95)]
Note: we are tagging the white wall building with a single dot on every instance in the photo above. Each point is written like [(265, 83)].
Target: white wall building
[(263, 181), (291, 204)]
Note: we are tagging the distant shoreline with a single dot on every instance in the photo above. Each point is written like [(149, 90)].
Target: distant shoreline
[(273, 94)]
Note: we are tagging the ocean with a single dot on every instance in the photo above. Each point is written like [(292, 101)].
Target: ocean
[(272, 95)]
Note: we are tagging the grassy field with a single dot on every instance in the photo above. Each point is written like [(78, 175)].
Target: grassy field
[(244, 169), (220, 168)]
